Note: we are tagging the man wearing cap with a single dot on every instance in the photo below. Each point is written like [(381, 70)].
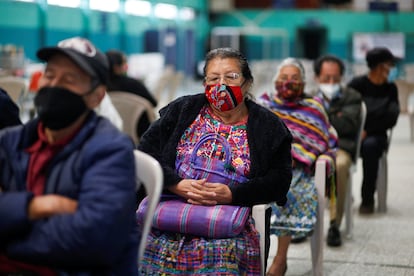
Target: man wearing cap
[(380, 95), (67, 178)]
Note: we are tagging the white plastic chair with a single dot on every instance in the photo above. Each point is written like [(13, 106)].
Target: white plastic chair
[(410, 110), (107, 109), (131, 107), (14, 86), (348, 199), (148, 173), (382, 179), (317, 239), (168, 82), (259, 215)]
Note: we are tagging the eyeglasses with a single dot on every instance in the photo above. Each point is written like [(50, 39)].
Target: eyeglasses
[(79, 44), (229, 78)]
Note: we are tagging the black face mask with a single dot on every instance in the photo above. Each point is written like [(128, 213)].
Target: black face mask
[(58, 107)]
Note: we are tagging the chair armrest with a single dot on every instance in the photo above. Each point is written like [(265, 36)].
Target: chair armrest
[(259, 209)]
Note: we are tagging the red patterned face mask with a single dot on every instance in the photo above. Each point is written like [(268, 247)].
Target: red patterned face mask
[(223, 97), (289, 90)]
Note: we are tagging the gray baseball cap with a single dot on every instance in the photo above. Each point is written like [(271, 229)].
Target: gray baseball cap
[(82, 52)]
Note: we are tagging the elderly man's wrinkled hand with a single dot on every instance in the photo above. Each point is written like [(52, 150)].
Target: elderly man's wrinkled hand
[(45, 206)]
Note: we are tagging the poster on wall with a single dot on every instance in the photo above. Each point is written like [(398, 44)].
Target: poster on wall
[(363, 42)]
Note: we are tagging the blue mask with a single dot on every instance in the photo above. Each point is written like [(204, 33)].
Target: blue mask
[(392, 74)]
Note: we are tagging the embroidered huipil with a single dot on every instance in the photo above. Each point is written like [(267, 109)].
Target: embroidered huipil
[(178, 254)]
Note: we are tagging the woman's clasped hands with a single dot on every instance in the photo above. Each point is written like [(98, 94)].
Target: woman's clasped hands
[(201, 192)]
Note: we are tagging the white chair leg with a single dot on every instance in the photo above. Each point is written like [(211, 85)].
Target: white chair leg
[(317, 246), (259, 216), (411, 116), (348, 208), (317, 237), (382, 184)]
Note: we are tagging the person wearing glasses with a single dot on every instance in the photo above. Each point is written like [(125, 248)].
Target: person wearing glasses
[(67, 177), (313, 138), (260, 161)]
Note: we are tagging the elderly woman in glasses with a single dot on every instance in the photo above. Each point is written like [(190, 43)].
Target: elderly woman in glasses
[(258, 147), (313, 138)]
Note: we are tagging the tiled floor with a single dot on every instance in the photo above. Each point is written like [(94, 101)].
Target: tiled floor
[(382, 244)]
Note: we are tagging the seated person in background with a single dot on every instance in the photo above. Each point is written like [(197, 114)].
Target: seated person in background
[(313, 138), (343, 105), (258, 147), (9, 111), (67, 177), (119, 81), (380, 95)]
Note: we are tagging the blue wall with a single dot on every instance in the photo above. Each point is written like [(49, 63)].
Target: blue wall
[(340, 26), (32, 25)]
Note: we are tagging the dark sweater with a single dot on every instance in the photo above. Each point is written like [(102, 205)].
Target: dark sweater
[(382, 104), (269, 143), (345, 115), (128, 84)]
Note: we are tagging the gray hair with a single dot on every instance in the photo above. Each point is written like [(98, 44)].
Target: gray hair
[(290, 61), (226, 52)]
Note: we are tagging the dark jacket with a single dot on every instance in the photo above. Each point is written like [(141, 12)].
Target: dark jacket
[(97, 169), (382, 104), (269, 144), (9, 112), (128, 84), (345, 115)]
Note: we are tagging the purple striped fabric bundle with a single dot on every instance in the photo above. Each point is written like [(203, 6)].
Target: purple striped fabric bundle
[(175, 215)]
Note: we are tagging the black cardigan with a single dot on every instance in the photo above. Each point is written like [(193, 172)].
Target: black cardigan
[(269, 143)]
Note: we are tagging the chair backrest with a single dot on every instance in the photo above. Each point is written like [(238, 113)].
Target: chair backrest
[(363, 116), (148, 173), (14, 86), (131, 107)]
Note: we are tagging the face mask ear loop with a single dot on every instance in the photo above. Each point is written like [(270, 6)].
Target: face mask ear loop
[(242, 84)]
